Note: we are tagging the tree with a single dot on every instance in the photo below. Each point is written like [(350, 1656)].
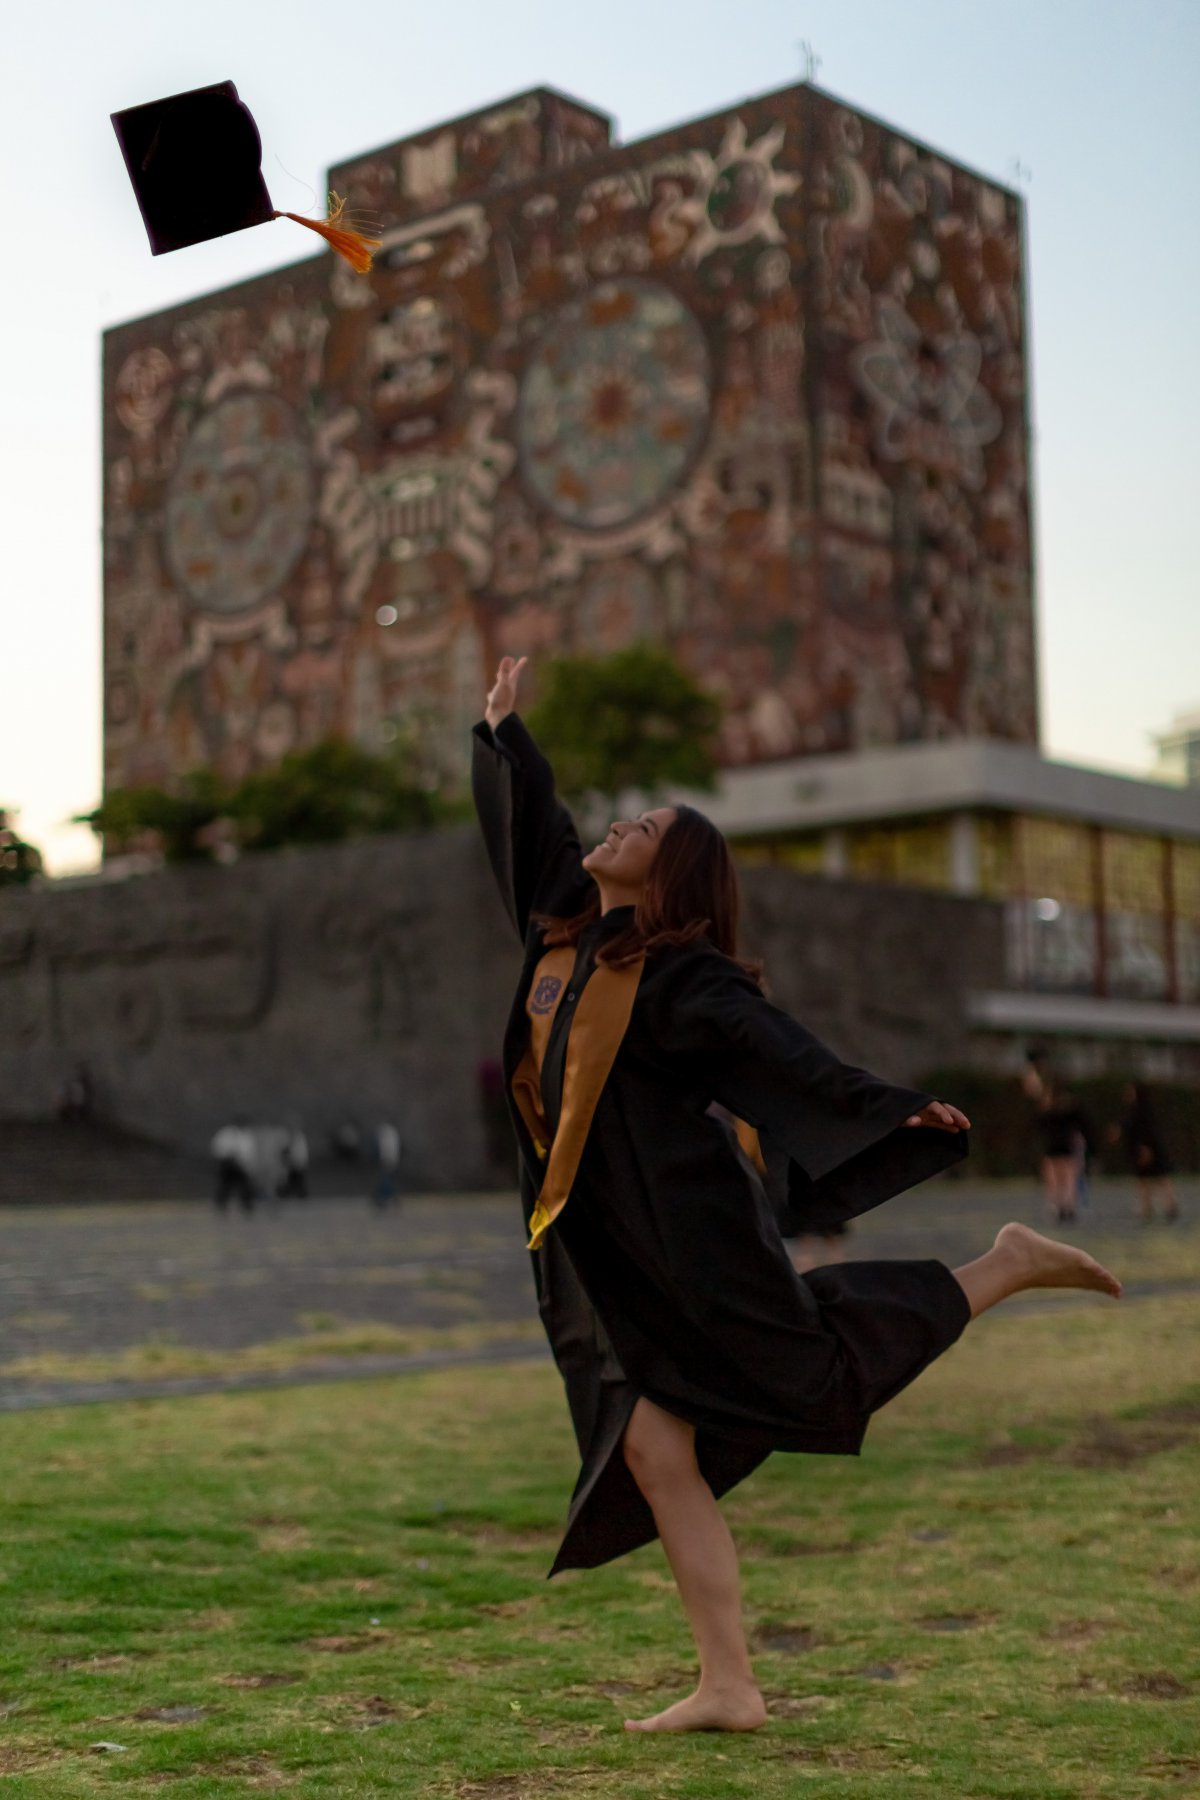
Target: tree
[(133, 817), (20, 863), (632, 719), (332, 791)]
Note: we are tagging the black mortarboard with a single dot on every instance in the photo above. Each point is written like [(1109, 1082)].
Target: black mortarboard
[(195, 161)]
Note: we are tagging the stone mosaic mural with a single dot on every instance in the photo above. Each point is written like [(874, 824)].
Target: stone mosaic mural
[(755, 387)]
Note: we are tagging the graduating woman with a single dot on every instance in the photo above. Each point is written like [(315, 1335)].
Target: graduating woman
[(642, 1061)]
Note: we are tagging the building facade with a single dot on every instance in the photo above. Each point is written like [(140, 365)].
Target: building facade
[(1098, 876), (754, 388)]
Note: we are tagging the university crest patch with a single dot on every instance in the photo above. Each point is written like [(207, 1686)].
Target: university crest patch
[(545, 994)]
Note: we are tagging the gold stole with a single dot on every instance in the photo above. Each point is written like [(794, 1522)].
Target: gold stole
[(600, 1023)]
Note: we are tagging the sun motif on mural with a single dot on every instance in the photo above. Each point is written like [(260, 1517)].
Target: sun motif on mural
[(240, 503), (738, 188), (614, 404)]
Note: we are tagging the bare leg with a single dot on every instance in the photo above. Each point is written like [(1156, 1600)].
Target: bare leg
[(1061, 1183), (1020, 1259), (1166, 1188), (661, 1453)]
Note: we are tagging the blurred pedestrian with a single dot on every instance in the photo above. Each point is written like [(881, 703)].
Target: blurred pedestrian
[(1063, 1129), (293, 1182), (387, 1164), (346, 1140), (77, 1096), (1146, 1152), (233, 1151)]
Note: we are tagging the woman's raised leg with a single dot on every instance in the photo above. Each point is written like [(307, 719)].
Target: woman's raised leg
[(1021, 1258), (661, 1453)]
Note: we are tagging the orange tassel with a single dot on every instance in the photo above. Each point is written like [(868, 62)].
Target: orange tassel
[(358, 249)]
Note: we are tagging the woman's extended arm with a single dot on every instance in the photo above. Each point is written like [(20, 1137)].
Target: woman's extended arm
[(530, 836), (855, 1140)]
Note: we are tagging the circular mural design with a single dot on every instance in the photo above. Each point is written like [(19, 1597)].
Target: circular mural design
[(240, 503), (614, 404)]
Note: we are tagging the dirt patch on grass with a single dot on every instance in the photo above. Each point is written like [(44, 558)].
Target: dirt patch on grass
[(20, 1759), (832, 1756), (267, 1679), (797, 1706), (367, 1712), (257, 1772), (96, 1665), (535, 1784), (277, 1540), (1161, 1685), (1074, 1631), (350, 1645), (788, 1640), (969, 1621), (173, 1715), (1107, 1443)]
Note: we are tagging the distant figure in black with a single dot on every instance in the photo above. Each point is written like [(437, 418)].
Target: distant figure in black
[(233, 1151), (1066, 1139), (689, 1346), (1146, 1152), (293, 1163)]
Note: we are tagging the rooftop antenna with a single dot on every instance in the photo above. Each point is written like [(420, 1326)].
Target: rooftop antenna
[(1019, 173), (812, 62)]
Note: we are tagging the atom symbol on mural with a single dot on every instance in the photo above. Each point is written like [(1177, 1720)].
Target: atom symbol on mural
[(930, 405)]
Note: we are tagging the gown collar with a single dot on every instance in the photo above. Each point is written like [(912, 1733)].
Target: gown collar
[(607, 925)]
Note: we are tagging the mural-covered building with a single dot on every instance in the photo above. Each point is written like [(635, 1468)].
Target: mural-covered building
[(754, 387)]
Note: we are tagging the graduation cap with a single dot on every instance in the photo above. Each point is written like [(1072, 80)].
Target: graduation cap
[(195, 161)]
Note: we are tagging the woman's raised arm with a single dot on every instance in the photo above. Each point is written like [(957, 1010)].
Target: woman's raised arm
[(530, 836)]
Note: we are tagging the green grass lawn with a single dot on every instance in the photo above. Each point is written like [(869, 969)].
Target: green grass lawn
[(340, 1591)]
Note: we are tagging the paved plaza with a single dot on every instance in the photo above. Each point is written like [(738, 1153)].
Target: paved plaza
[(81, 1285)]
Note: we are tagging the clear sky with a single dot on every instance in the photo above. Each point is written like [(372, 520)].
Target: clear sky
[(1090, 104)]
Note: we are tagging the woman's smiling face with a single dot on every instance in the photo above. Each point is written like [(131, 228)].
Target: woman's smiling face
[(622, 860)]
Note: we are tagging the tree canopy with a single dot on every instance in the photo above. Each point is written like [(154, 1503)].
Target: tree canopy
[(331, 791), (631, 719), (20, 862)]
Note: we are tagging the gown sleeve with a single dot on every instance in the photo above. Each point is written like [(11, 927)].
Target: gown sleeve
[(530, 836), (840, 1129)]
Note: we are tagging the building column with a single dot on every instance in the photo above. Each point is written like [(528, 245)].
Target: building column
[(964, 854), (835, 857)]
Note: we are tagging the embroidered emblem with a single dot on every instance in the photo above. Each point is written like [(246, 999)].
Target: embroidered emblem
[(545, 994)]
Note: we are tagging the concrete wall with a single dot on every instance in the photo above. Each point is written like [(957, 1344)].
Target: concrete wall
[(373, 978)]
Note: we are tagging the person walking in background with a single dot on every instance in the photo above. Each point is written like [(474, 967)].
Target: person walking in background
[(293, 1183), (233, 1151), (1063, 1130), (387, 1164), (1146, 1152)]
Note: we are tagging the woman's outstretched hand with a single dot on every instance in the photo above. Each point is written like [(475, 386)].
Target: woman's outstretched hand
[(503, 698), (941, 1117)]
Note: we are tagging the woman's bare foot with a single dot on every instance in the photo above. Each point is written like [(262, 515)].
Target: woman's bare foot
[(1041, 1262), (709, 1709)]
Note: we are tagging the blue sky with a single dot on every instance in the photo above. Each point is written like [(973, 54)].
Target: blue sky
[(1089, 104)]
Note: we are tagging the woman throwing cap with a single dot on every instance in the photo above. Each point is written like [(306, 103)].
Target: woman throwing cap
[(689, 1346)]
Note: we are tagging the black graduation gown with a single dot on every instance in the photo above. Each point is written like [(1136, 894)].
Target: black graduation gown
[(665, 1274)]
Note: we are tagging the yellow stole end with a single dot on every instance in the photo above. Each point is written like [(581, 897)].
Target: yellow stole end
[(600, 1023)]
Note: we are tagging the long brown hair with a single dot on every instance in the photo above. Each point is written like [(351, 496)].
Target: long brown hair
[(691, 893)]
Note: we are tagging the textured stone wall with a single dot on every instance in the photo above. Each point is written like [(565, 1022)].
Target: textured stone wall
[(375, 977)]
